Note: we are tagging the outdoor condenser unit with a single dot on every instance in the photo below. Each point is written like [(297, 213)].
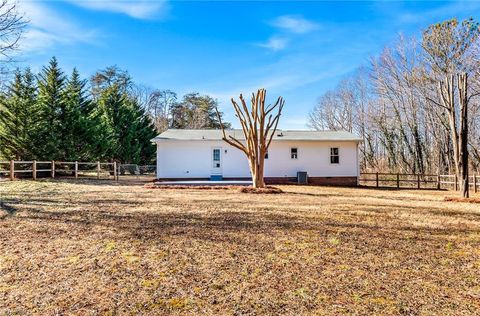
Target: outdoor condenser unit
[(302, 177)]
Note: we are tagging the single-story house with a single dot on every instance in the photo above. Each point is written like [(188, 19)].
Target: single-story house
[(328, 157)]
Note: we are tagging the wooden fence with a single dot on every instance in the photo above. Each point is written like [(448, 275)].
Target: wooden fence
[(99, 170), (416, 181)]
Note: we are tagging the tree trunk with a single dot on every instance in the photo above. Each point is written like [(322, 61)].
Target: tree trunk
[(459, 139), (258, 126), (463, 143)]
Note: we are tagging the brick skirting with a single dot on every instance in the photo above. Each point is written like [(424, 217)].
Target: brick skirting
[(333, 181)]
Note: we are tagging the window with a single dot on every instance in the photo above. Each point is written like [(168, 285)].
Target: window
[(294, 153), (216, 155), (216, 158), (266, 155), (334, 156)]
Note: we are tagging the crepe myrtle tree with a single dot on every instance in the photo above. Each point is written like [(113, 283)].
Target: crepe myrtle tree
[(259, 123)]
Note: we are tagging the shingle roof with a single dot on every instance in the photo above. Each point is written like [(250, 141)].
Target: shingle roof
[(216, 134)]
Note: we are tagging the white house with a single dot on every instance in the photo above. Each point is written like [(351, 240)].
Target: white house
[(328, 157)]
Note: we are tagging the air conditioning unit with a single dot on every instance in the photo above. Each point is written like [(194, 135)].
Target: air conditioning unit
[(302, 177)]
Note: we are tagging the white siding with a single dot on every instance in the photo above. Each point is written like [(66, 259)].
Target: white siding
[(193, 159)]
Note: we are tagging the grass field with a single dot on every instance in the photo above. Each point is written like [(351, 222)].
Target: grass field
[(96, 248)]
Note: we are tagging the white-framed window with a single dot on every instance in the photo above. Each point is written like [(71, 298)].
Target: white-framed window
[(216, 157), (294, 153), (334, 155)]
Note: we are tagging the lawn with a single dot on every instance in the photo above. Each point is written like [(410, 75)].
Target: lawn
[(98, 248)]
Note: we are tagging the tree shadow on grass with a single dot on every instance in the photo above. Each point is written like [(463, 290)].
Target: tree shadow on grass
[(128, 215), (227, 225), (8, 206), (93, 181)]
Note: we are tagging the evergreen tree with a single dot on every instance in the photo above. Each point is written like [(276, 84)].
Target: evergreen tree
[(126, 128), (18, 118), (52, 117), (196, 111), (108, 77), (51, 107), (77, 122), (145, 131)]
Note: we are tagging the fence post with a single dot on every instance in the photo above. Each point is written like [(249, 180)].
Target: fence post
[(438, 182), (12, 170), (76, 169), (53, 169), (376, 178), (98, 169), (418, 181), (456, 183), (115, 176), (398, 181), (34, 170), (474, 183)]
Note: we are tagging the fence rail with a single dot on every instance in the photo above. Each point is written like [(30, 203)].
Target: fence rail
[(54, 168), (418, 181)]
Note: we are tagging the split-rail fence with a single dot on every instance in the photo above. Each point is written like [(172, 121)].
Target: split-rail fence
[(416, 181), (32, 169)]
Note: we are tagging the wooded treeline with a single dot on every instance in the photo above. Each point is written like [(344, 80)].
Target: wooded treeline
[(54, 116), (395, 105)]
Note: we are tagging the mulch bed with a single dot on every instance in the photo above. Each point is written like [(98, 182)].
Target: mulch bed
[(267, 190), (241, 189)]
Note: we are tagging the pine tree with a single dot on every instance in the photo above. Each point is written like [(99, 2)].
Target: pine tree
[(196, 111), (77, 121), (51, 107), (18, 118), (145, 131), (126, 128)]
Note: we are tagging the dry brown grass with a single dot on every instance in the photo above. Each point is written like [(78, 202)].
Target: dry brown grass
[(95, 248), (462, 199)]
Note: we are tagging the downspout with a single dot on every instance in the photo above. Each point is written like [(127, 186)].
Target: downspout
[(358, 167)]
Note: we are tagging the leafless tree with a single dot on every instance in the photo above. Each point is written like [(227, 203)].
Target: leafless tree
[(458, 119), (157, 103), (396, 107), (12, 26), (259, 123)]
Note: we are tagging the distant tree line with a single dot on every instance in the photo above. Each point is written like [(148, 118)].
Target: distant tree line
[(394, 103), (53, 116)]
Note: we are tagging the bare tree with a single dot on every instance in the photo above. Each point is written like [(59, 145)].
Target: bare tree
[(157, 103), (396, 107), (12, 26), (348, 107), (259, 124), (458, 115)]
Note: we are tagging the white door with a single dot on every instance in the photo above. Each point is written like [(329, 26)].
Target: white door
[(217, 160)]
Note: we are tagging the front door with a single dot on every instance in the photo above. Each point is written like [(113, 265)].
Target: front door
[(217, 161)]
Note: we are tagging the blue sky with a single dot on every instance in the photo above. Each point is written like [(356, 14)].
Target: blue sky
[(294, 49)]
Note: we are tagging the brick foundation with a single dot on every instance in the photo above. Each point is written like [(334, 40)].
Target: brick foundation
[(333, 181)]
